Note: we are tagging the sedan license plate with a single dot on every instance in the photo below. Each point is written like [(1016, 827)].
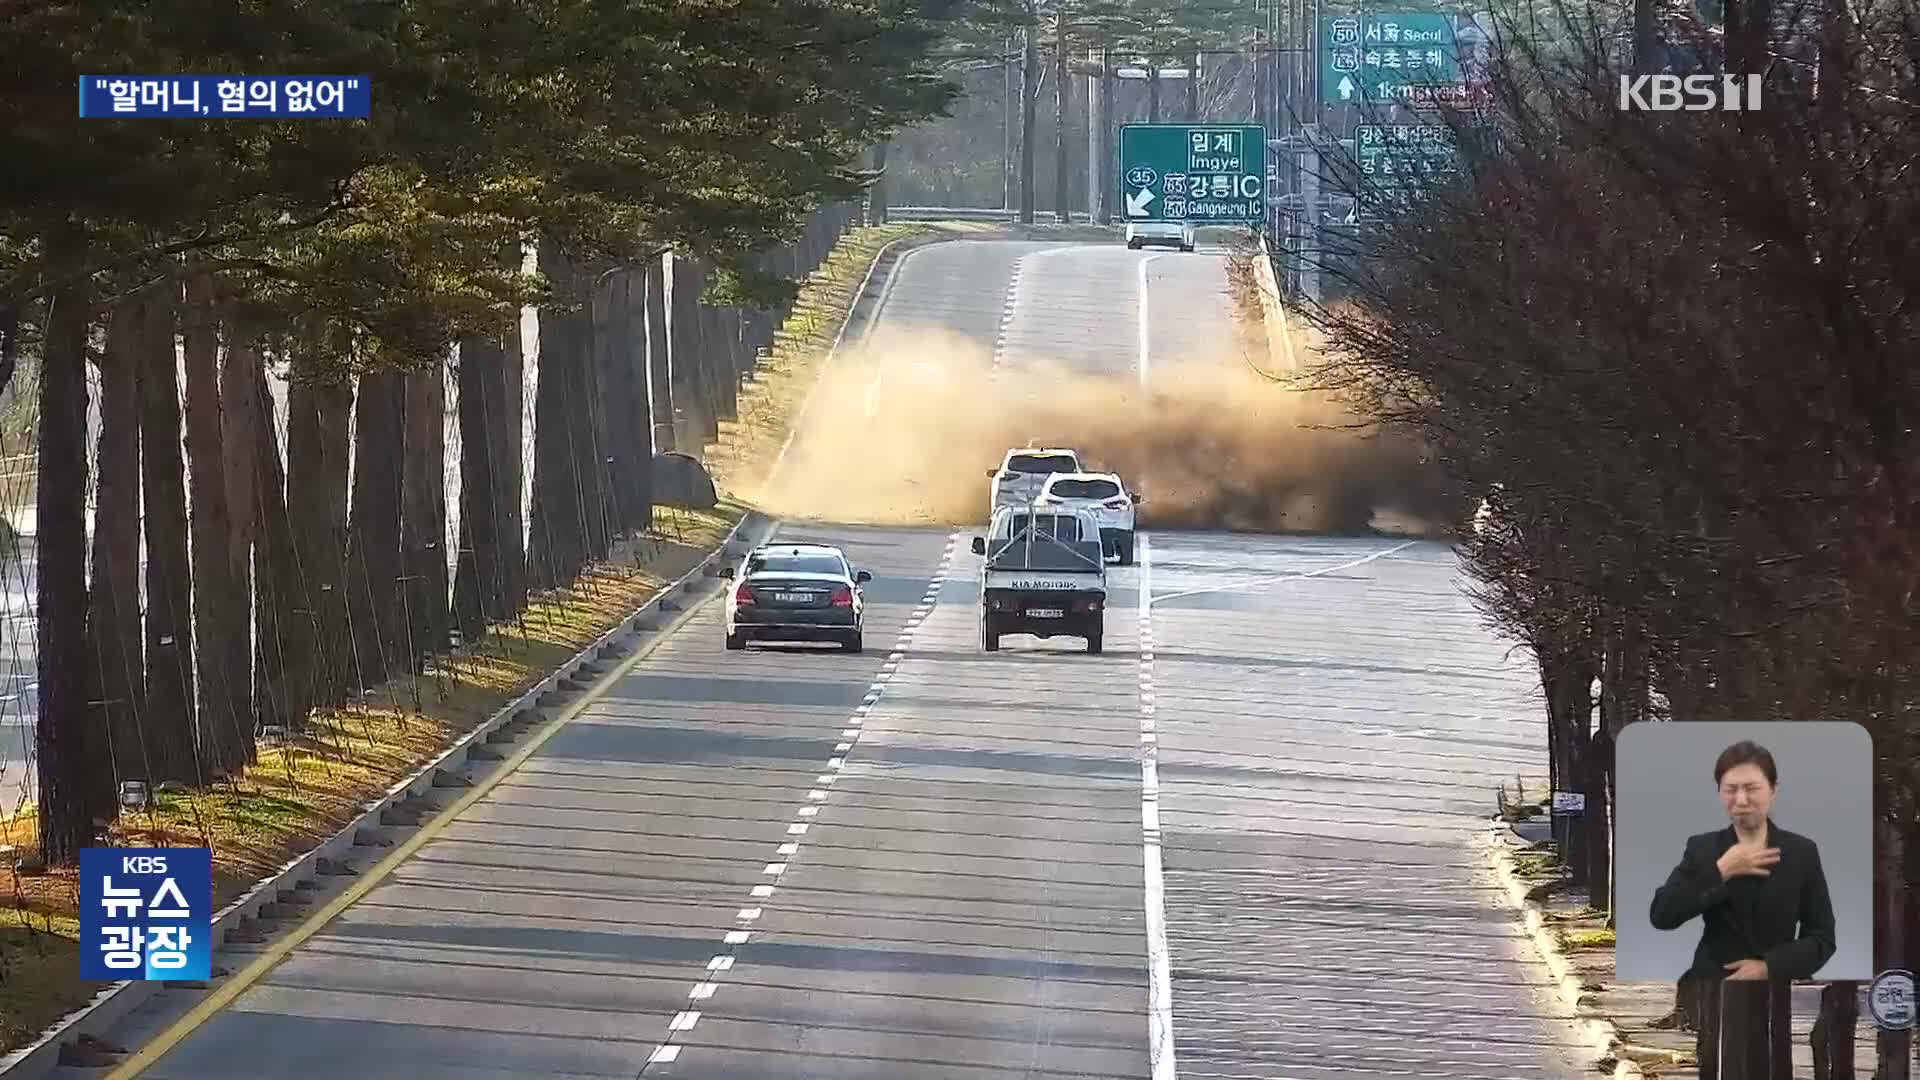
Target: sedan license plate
[(1045, 613), (793, 597)]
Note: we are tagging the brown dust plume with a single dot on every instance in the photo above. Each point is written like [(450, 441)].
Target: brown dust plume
[(903, 431)]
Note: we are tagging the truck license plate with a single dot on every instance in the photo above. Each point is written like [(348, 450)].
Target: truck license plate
[(792, 597), (1045, 613)]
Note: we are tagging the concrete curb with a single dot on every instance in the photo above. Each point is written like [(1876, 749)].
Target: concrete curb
[(241, 916), (1279, 340), (1601, 1032)]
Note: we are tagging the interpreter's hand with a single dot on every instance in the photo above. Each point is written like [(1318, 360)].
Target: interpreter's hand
[(1740, 860), (1747, 969)]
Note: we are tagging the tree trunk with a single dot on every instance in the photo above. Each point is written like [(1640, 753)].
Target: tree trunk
[(1832, 1037), (423, 523), (511, 465), (1742, 1031), (219, 619), (1029, 99), (1062, 96), (478, 592), (709, 357), (373, 538), (558, 550), (1595, 763), (1009, 199), (877, 194), (684, 347), (284, 606), (170, 717), (618, 424), (1889, 932), (638, 432), (1096, 118), (317, 416), (241, 417), (660, 378), (113, 627), (721, 332), (1193, 89), (588, 390), (1108, 132), (66, 756)]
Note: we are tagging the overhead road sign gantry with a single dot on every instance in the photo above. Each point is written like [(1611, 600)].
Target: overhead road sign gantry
[(1199, 173)]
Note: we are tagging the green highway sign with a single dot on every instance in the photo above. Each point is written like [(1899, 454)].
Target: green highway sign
[(1193, 172), (1395, 160), (1411, 58)]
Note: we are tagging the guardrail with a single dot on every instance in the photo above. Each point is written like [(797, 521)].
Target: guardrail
[(978, 213)]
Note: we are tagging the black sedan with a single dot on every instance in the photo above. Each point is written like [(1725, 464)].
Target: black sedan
[(796, 592)]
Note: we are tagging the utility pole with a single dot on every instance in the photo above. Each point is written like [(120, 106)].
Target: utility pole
[(1310, 252), (1096, 135), (1006, 125), (1029, 91), (1062, 99)]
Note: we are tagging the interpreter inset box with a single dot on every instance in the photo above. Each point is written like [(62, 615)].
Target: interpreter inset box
[(1744, 850)]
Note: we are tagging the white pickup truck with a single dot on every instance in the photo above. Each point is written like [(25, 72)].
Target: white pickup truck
[(1045, 575)]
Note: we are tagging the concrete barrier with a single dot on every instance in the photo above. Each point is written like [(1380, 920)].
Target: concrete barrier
[(1281, 352)]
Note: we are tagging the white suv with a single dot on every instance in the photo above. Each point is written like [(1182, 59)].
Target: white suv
[(1106, 498), (1023, 472)]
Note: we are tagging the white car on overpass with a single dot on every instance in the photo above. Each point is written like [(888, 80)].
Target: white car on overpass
[(1173, 234), (1105, 497)]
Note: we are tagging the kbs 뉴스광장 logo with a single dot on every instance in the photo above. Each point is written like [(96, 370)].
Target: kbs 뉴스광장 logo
[(146, 913)]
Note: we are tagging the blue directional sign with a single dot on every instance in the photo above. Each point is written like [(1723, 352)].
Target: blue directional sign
[(1193, 172)]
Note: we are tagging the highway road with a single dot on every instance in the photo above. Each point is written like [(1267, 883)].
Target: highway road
[(1237, 844)]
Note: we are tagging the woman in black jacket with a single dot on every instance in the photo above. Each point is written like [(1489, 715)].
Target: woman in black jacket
[(1757, 888)]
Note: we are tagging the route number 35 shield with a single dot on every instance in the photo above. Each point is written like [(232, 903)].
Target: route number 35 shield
[(1142, 176), (1890, 1000)]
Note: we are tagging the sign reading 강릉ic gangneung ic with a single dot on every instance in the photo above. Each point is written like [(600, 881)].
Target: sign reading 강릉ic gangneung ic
[(1193, 172), (146, 913)]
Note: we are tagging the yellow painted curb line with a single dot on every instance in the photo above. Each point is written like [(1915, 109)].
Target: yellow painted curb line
[(238, 984)]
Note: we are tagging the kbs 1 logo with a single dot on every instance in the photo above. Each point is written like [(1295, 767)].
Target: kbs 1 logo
[(146, 913), (1689, 93)]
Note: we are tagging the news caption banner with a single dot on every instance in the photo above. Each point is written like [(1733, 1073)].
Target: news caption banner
[(1193, 172), (200, 96), (146, 913), (1418, 59)]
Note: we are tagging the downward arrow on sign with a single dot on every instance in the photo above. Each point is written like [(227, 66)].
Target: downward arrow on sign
[(1137, 203)]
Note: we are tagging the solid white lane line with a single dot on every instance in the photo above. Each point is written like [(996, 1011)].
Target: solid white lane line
[(1145, 347), (1278, 578), (1160, 1044)]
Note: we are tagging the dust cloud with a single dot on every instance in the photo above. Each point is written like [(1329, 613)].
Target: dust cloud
[(903, 431)]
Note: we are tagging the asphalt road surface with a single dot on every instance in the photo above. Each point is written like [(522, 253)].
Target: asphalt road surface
[(1237, 844)]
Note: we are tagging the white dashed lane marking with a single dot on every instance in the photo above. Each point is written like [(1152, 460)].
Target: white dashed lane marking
[(669, 1050)]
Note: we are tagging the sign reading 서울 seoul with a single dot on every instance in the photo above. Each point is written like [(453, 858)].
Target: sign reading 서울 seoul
[(1193, 172), (1411, 58)]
